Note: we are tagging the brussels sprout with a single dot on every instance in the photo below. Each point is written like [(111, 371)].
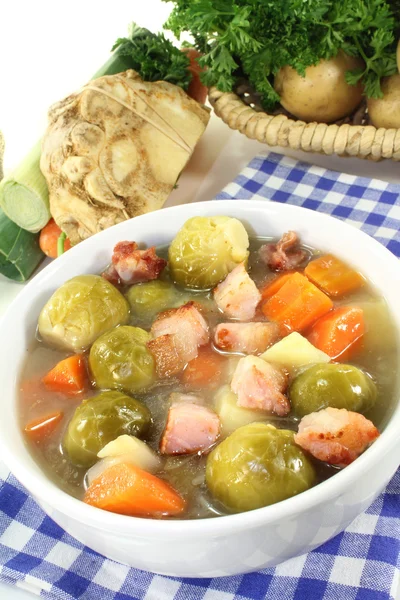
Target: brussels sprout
[(119, 359), (206, 249), (257, 465), (148, 299), (80, 311), (334, 385), (99, 420)]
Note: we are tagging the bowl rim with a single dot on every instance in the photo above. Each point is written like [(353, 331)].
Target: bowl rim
[(51, 495)]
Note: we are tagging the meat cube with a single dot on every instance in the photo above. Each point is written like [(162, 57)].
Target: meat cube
[(336, 436), (260, 385), (130, 265), (178, 333), (168, 360), (285, 255), (190, 429), (248, 338), (237, 296)]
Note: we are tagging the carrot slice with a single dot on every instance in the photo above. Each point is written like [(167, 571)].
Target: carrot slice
[(68, 376), (337, 332), (48, 239), (297, 305), (274, 285), (333, 276), (204, 370), (128, 490), (38, 429)]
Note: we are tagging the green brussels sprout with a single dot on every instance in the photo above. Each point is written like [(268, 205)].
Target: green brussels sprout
[(335, 385), (148, 299), (206, 249), (101, 419), (80, 311), (256, 466), (120, 359)]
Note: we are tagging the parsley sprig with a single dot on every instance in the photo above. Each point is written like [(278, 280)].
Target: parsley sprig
[(256, 38), (154, 57)]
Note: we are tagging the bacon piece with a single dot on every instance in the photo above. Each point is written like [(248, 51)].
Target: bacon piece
[(248, 338), (130, 265), (260, 385), (237, 296), (177, 334), (191, 428), (165, 352), (285, 255), (335, 435)]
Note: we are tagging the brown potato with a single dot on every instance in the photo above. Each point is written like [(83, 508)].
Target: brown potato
[(323, 95), (385, 112)]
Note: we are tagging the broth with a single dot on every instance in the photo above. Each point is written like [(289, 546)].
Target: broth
[(378, 356)]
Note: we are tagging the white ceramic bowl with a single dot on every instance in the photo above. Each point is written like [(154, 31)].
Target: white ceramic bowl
[(225, 545)]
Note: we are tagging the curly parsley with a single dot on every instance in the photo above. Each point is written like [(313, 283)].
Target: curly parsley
[(258, 37), (153, 56)]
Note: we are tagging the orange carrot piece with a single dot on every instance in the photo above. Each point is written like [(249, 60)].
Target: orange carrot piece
[(48, 239), (297, 305), (196, 90), (274, 285), (204, 370), (333, 276), (38, 429), (68, 376), (128, 490), (337, 332)]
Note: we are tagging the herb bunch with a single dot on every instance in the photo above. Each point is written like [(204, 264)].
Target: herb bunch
[(256, 38), (154, 57)]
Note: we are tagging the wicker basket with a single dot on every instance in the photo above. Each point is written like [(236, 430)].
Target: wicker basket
[(351, 137)]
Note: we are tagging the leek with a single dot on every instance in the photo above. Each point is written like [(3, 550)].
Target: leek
[(19, 250), (24, 196), (115, 64)]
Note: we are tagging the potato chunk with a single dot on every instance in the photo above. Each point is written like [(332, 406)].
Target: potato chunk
[(293, 352)]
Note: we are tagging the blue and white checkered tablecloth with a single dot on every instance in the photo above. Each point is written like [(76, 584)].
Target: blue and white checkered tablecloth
[(362, 563)]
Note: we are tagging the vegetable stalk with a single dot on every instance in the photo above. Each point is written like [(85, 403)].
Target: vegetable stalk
[(24, 196), (19, 250)]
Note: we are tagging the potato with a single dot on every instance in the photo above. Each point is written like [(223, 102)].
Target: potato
[(323, 95), (385, 112), (294, 352), (231, 415), (139, 452)]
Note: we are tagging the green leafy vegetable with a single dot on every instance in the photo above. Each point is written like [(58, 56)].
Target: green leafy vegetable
[(153, 56), (19, 250), (256, 38)]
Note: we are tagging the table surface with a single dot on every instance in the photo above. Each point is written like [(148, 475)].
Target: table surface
[(53, 54)]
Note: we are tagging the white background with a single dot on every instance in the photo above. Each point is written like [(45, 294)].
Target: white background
[(48, 49)]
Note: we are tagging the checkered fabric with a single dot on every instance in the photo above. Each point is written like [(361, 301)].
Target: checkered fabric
[(362, 563)]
